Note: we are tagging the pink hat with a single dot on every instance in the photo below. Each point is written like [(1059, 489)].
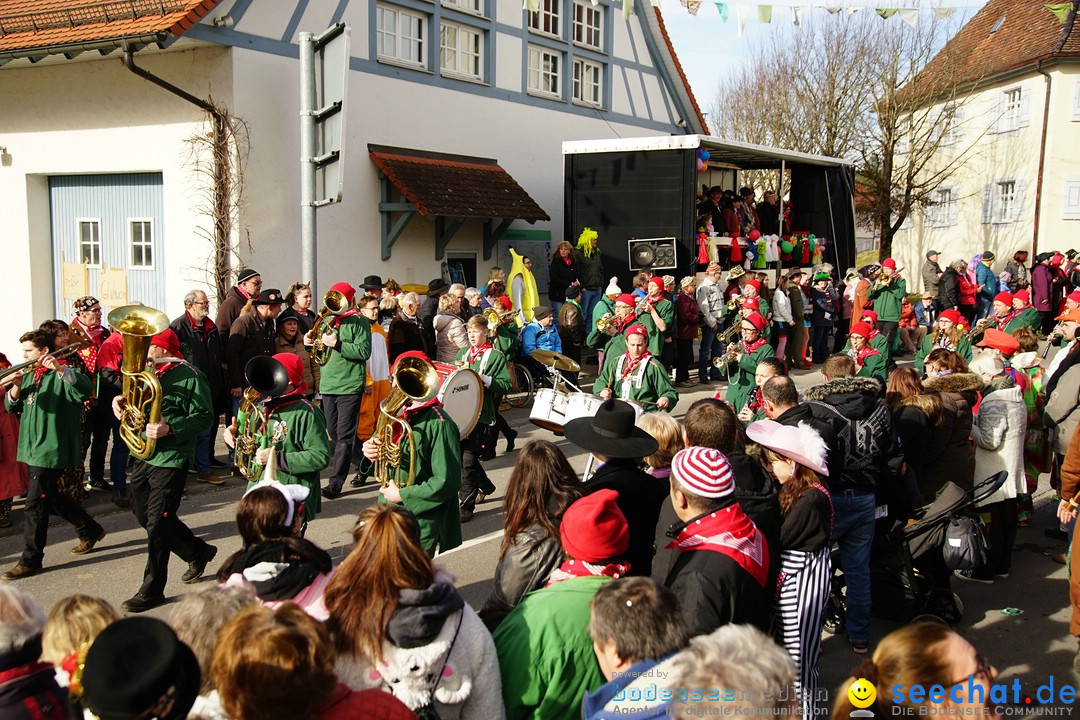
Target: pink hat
[(757, 320), (999, 340), (888, 263), (593, 528), (861, 329), (704, 472), (800, 443), (1004, 297)]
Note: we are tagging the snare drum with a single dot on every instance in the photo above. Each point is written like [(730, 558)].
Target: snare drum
[(639, 409), (461, 394), (581, 405), (549, 410)]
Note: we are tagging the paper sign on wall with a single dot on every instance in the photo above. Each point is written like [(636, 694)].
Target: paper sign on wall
[(74, 277), (112, 287)]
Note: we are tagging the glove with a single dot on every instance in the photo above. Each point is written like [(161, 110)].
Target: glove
[(486, 379)]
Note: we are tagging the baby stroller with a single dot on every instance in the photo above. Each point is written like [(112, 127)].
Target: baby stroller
[(909, 578)]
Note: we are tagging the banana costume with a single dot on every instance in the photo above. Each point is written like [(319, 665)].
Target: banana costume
[(522, 286)]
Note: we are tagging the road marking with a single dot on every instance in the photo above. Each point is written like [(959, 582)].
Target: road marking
[(475, 541)]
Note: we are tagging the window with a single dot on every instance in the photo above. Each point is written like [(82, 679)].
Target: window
[(1012, 110), (90, 242), (461, 51), (941, 211), (142, 244), (1076, 100), (472, 6), (400, 35), (545, 68), (587, 24), (546, 19), (587, 81), (1071, 206), (1005, 201), (949, 125)]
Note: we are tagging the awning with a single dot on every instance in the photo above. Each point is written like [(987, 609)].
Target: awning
[(450, 188)]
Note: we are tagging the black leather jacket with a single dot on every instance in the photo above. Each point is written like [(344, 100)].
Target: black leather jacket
[(525, 567)]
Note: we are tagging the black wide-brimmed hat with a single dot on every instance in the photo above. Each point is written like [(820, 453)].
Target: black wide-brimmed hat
[(372, 282), (436, 286), (138, 668), (612, 432)]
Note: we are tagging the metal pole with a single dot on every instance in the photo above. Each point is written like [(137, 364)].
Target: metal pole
[(308, 229), (780, 221)]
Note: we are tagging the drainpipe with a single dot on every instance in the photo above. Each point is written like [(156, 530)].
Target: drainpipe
[(220, 142), (1042, 159)]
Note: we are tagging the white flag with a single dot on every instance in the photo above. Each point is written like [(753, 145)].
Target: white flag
[(741, 11), (909, 16)]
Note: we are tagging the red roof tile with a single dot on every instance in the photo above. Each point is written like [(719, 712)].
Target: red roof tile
[(455, 185), (27, 25), (1028, 32)]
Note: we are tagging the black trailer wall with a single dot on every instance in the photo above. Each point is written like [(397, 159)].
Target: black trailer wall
[(822, 200)]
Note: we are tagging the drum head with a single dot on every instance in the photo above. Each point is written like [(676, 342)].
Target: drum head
[(462, 396), (548, 411)]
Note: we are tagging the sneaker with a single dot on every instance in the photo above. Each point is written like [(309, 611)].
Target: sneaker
[(20, 571), (86, 546), (141, 603), (833, 623), (979, 576), (210, 478), (860, 648), (95, 484), (196, 568), (121, 498)]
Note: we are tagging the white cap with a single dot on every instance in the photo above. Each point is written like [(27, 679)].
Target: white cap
[(613, 287)]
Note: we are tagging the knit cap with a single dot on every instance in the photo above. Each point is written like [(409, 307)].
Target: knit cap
[(704, 472)]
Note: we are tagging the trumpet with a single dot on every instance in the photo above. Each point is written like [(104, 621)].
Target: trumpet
[(729, 334), (643, 306), (8, 376), (604, 322), (733, 304), (495, 318), (334, 303), (722, 362)]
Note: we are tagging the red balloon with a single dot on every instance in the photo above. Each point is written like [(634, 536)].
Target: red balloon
[(754, 235)]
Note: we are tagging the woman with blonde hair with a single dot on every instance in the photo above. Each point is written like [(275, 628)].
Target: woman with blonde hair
[(562, 273), (401, 626), (70, 630), (669, 434)]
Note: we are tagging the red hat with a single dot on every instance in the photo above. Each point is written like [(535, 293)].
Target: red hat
[(861, 329), (626, 299), (952, 316), (756, 284), (295, 367), (1067, 316), (869, 314), (167, 341), (345, 289), (594, 529), (1025, 295), (507, 303), (751, 304), (1004, 297), (658, 281), (757, 320), (636, 328), (888, 263), (1074, 296), (999, 340), (704, 472)]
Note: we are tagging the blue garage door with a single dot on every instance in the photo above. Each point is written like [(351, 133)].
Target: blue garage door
[(111, 221)]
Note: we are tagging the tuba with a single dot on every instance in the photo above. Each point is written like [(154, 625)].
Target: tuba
[(334, 303), (265, 376), (415, 379), (138, 324)]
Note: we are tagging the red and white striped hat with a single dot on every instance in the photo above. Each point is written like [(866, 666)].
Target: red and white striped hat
[(704, 472)]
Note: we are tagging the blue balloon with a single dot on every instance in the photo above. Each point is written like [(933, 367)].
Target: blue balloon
[(704, 154)]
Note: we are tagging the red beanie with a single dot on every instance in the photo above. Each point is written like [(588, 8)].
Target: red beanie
[(999, 340), (756, 284), (888, 263), (1026, 296), (658, 281), (295, 367), (507, 303), (345, 289), (167, 341), (861, 329), (637, 328), (1004, 297), (594, 529), (1074, 296), (869, 314), (756, 319), (626, 299), (751, 304), (953, 316)]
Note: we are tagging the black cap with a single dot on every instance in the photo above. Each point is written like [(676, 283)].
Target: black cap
[(269, 297), (931, 253), (573, 292), (988, 255), (541, 312), (436, 286), (246, 274)]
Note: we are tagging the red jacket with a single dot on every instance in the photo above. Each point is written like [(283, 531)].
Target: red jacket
[(967, 289), (686, 316)]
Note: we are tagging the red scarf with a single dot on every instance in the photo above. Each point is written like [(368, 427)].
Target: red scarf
[(337, 320), (94, 333), (1002, 322), (626, 322), (475, 353), (630, 364), (874, 332), (42, 370), (578, 568), (859, 356), (757, 402), (729, 532), (205, 325), (747, 349)]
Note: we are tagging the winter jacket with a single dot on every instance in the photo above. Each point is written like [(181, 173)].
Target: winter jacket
[(545, 652), (346, 704), (187, 408), (1070, 473), (203, 349), (345, 373), (405, 335), (644, 691), (640, 498), (936, 453), (430, 626), (1062, 410), (871, 461), (450, 336), (798, 303), (1018, 272), (1042, 288), (967, 289), (229, 311), (535, 337), (823, 313), (687, 315), (571, 325), (30, 692), (998, 432), (781, 308), (930, 273), (985, 277), (50, 418), (561, 276), (710, 302), (526, 565), (801, 413), (948, 294), (888, 299), (251, 336), (925, 315), (429, 308), (590, 270)]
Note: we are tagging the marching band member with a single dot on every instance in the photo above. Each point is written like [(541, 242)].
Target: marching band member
[(948, 334), (48, 402), (1024, 314), (157, 482), (377, 377), (638, 375), (888, 294), (490, 365), (869, 362), (658, 318), (749, 352), (877, 339), (341, 384), (295, 433), (755, 409), (505, 340), (604, 310), (615, 344), (1011, 312), (752, 289), (433, 496)]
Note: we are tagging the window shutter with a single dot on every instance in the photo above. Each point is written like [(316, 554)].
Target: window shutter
[(1018, 214), (995, 113), (952, 210), (1025, 107), (987, 203), (1070, 206)]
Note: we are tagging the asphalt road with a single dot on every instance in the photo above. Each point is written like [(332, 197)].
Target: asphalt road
[(1032, 646)]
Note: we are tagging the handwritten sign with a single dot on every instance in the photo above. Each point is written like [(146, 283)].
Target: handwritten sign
[(112, 287), (74, 277)]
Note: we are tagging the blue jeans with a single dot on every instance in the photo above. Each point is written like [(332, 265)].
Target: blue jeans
[(708, 349), (202, 452), (983, 306), (555, 305), (589, 299), (853, 530)]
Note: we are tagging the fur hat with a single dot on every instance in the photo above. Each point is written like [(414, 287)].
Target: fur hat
[(293, 494)]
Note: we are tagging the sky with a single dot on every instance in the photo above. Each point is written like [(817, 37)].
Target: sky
[(707, 45)]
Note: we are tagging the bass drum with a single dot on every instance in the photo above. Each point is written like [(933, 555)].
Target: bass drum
[(461, 394)]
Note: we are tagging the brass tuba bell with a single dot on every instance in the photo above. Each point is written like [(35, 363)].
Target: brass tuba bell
[(138, 325), (334, 303), (265, 376), (415, 379)]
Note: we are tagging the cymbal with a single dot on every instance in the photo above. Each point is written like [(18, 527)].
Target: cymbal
[(560, 361)]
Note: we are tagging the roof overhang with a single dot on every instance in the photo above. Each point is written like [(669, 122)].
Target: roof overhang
[(722, 152)]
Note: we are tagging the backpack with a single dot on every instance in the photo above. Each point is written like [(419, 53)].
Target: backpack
[(966, 545), (860, 442)]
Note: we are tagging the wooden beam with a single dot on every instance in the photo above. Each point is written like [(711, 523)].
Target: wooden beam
[(493, 232), (444, 233), (390, 229)]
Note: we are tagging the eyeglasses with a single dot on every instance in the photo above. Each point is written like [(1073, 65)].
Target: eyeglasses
[(204, 302), (983, 669), (370, 308)]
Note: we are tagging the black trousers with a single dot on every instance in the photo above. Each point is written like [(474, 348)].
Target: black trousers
[(342, 413), (685, 355), (1001, 533), (43, 498), (100, 424), (474, 478), (155, 498)]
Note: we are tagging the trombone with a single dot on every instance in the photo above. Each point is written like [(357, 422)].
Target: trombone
[(334, 303), (8, 376), (495, 318)]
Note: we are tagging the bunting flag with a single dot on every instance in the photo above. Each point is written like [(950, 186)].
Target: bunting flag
[(1060, 10), (692, 6), (627, 9), (764, 13), (722, 9), (531, 5), (944, 13), (909, 16), (885, 13), (741, 11)]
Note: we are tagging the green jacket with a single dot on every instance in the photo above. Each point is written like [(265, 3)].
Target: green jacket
[(50, 418), (506, 339), (615, 350), (888, 299), (1028, 317), (343, 373), (303, 449), (187, 407), (655, 384), (874, 367), (596, 339), (928, 346), (545, 653), (666, 310), (742, 381), (878, 342), (496, 369)]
